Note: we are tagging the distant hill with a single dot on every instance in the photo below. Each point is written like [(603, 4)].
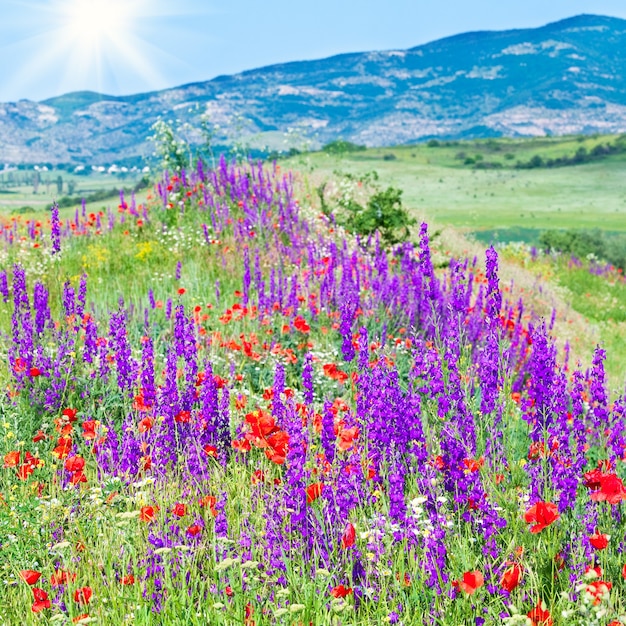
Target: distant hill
[(563, 78)]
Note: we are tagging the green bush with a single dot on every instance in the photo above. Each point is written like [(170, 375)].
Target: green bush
[(340, 146), (582, 243), (384, 213)]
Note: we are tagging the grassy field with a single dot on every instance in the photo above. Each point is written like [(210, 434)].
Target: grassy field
[(224, 410), (509, 204), (19, 194), (515, 203)]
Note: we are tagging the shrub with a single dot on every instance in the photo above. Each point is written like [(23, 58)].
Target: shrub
[(384, 213), (582, 243), (340, 146)]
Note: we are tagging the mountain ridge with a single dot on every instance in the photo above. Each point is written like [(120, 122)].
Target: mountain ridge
[(560, 78)]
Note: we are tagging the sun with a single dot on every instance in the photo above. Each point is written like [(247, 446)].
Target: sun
[(94, 23), (106, 46)]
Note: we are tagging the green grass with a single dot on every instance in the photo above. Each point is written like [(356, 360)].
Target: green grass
[(17, 193), (439, 188), (102, 516)]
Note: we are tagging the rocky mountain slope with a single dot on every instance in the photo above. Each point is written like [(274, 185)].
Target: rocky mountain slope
[(566, 77)]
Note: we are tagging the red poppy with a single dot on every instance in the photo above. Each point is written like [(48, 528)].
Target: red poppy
[(194, 530), (276, 450), (70, 414), (41, 600), (624, 572), (11, 459), (145, 424), (74, 463), (82, 595), (511, 577), (89, 430), (349, 536), (39, 436), (78, 618), (30, 576), (598, 590), (611, 489), (542, 514), (347, 437), (301, 324), (209, 501), (470, 583), (179, 509), (540, 616), (258, 476), (34, 372), (24, 471), (599, 541), (340, 591), (473, 465), (148, 513), (183, 417), (62, 577), (210, 451), (63, 447), (261, 424), (332, 371), (78, 477), (313, 492), (591, 479), (241, 445), (127, 580)]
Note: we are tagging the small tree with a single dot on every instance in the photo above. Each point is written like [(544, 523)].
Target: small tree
[(384, 213)]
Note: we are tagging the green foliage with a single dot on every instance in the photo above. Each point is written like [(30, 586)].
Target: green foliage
[(582, 155), (340, 146), (102, 194), (384, 213), (582, 243)]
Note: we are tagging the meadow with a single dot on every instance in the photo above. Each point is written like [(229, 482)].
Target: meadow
[(27, 191), (514, 204), (221, 407), (510, 207)]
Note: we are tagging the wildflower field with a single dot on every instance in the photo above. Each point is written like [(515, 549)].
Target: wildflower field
[(220, 408)]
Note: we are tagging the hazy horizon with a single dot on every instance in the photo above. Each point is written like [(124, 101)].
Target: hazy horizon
[(123, 47)]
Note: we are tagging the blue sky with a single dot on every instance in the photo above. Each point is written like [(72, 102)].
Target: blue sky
[(50, 47)]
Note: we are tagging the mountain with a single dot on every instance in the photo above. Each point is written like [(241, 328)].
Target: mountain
[(565, 77)]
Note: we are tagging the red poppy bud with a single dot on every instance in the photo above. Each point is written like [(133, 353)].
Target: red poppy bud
[(313, 492), (511, 577)]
